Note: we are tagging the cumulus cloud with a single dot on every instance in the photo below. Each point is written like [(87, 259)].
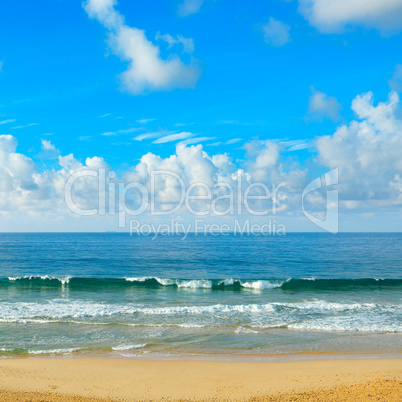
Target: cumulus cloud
[(321, 105), (367, 153), (24, 188), (48, 146), (331, 16), (188, 7), (147, 70), (276, 32)]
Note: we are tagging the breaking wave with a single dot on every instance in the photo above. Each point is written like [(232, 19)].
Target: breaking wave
[(285, 284)]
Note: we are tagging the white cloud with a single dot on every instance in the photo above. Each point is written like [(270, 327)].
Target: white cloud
[(173, 137), (321, 105), (336, 15), (396, 81), (368, 153), (147, 71), (48, 146), (197, 140), (7, 121), (276, 32), (49, 150), (188, 7)]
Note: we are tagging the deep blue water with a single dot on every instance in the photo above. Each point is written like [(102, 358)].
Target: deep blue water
[(80, 293)]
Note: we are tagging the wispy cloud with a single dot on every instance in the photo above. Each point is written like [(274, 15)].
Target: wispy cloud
[(26, 125), (321, 105), (183, 124), (105, 115), (294, 145), (396, 81), (7, 121), (129, 130), (233, 141), (187, 43), (84, 138), (173, 137), (147, 136), (276, 33), (227, 122), (197, 140), (123, 131), (144, 121), (188, 7)]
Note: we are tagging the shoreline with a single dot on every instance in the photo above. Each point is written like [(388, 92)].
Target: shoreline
[(140, 379), (214, 356)]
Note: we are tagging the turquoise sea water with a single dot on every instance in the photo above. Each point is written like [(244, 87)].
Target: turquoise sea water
[(134, 296)]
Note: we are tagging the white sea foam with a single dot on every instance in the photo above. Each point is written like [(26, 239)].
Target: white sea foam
[(59, 309), (306, 315), (259, 285), (195, 284), (63, 280), (324, 306), (208, 284), (129, 347), (245, 330), (351, 324), (162, 281), (53, 351)]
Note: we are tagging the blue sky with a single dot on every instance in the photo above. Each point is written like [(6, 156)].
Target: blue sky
[(61, 79), (58, 73)]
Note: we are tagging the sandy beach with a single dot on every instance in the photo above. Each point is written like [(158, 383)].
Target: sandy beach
[(91, 379)]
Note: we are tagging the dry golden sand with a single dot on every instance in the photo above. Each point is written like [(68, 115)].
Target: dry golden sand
[(131, 380)]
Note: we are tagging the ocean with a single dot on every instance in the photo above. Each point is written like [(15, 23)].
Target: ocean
[(80, 294)]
